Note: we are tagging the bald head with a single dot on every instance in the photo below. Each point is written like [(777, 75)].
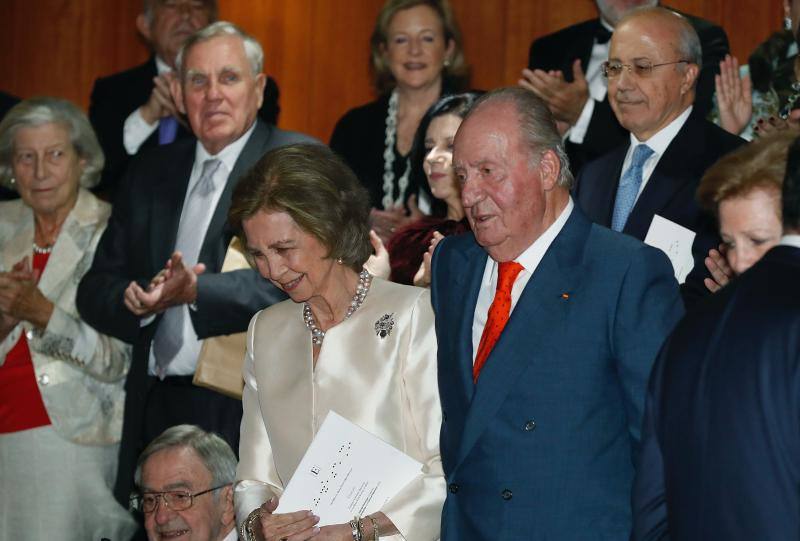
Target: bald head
[(660, 55)]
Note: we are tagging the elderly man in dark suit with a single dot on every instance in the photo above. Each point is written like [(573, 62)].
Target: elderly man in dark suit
[(721, 451), (547, 327), (134, 109), (172, 207), (564, 69), (654, 61)]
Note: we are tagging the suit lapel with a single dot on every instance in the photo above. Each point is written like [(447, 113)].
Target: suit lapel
[(475, 263), (598, 199), (527, 332), (674, 170), (213, 252), (168, 197)]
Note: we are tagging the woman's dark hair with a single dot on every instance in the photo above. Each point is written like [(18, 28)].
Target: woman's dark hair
[(318, 190), (455, 104), (791, 189), (770, 68)]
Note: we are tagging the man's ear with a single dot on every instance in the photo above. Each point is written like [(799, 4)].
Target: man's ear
[(176, 89), (143, 26), (227, 516), (690, 76), (549, 169), (261, 82)]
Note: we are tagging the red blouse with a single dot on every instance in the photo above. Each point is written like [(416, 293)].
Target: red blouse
[(21, 406)]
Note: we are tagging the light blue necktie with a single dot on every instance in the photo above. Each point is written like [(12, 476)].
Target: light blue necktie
[(168, 339), (629, 187)]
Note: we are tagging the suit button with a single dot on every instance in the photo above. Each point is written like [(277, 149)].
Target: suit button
[(507, 494), (530, 425), (453, 488), (44, 379)]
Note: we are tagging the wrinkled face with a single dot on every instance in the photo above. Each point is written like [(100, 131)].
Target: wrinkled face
[(416, 47), (613, 10), (502, 187), (646, 104), (219, 92), (209, 518), (749, 226), (47, 168), (438, 162), (292, 259), (172, 22)]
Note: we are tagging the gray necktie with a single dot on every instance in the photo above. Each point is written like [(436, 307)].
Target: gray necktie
[(168, 339), (629, 187)]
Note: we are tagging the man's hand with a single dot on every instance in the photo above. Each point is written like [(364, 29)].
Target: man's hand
[(174, 285), (160, 103), (734, 96), (565, 100)]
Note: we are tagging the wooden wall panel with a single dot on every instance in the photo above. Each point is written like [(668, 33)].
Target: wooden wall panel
[(316, 49)]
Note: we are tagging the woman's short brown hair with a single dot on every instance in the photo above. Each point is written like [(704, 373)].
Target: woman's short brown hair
[(318, 190), (760, 164), (454, 75)]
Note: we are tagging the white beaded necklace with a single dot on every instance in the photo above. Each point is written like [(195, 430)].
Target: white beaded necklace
[(388, 159), (317, 334)]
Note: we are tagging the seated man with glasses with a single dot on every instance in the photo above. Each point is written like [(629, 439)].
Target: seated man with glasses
[(653, 64), (185, 479)]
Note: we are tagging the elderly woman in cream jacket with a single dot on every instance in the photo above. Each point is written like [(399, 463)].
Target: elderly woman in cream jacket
[(344, 341), (61, 394)]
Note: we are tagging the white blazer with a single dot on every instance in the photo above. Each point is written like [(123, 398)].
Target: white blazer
[(387, 385), (80, 372)]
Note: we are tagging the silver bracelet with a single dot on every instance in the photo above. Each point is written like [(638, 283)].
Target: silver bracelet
[(375, 534), (354, 527)]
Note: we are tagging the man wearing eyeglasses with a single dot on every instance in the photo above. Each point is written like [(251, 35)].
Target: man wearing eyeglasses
[(564, 70), (185, 479), (654, 61)]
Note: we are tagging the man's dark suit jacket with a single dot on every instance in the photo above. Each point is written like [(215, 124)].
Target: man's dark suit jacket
[(670, 191), (115, 97), (721, 449), (139, 239), (559, 50), (543, 447)]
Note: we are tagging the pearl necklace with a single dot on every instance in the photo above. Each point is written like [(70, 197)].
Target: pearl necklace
[(317, 334), (388, 159), (42, 250)]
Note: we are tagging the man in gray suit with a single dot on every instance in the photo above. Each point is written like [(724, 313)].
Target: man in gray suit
[(172, 207)]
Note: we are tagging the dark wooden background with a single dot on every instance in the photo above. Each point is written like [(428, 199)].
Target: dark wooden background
[(316, 49)]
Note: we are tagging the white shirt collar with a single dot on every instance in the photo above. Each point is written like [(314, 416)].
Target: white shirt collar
[(532, 255), (233, 535), (661, 139), (227, 155), (790, 240), (161, 66)]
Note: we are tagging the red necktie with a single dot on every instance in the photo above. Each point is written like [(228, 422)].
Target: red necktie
[(498, 313)]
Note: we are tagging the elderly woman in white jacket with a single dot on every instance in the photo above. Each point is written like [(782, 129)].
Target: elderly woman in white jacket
[(61, 393)]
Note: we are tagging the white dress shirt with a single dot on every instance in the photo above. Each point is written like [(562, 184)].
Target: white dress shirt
[(790, 240), (136, 130), (598, 88), (658, 143), (529, 259), (185, 360)]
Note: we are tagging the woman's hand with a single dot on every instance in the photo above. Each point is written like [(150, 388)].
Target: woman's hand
[(734, 96), (20, 299), (768, 125), (296, 526), (721, 272), (423, 276), (378, 263)]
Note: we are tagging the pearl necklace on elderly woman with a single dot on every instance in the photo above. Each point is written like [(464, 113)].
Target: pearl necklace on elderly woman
[(42, 250), (317, 334), (388, 159)]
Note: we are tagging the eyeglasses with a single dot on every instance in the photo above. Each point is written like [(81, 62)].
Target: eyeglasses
[(177, 500), (640, 68)]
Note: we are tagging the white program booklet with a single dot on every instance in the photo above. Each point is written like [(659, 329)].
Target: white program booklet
[(675, 241), (346, 471)]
